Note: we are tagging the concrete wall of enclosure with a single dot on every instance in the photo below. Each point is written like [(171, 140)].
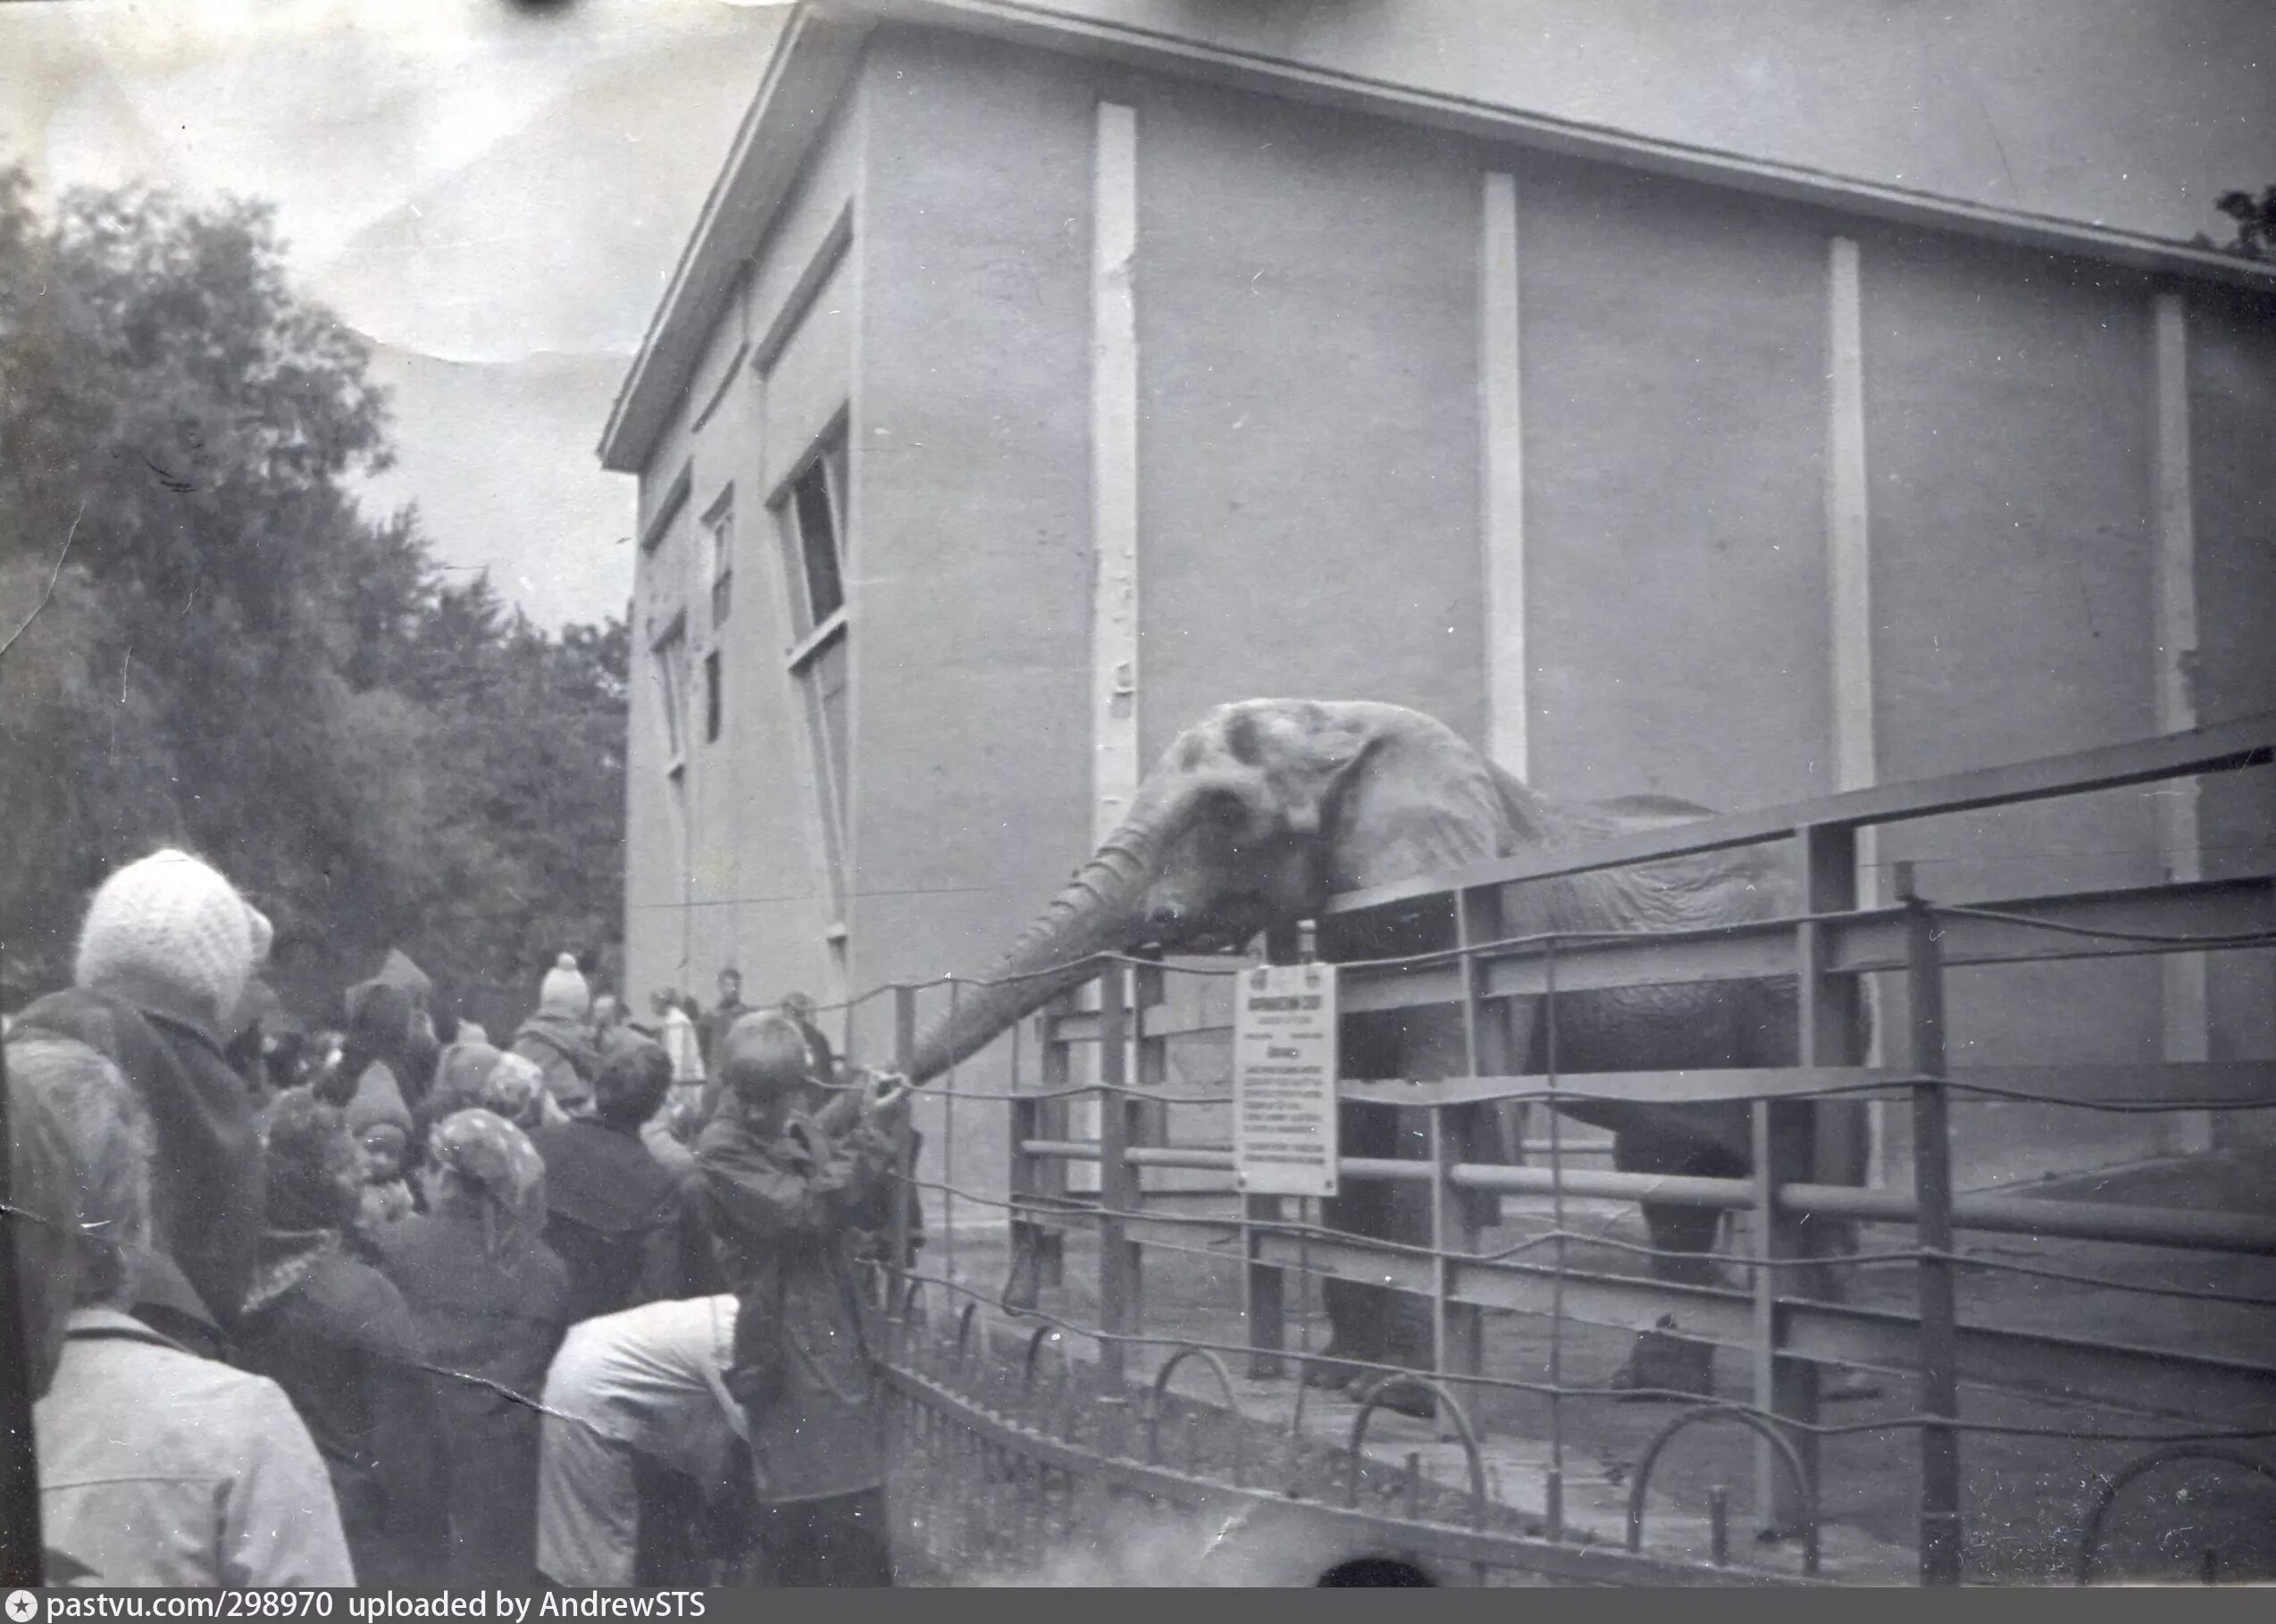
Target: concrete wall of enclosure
[(1153, 394)]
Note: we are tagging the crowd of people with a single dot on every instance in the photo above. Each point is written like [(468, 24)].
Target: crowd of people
[(394, 1305)]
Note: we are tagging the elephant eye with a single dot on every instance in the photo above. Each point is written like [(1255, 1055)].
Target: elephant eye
[(1225, 809)]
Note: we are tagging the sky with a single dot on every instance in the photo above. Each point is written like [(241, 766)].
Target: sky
[(495, 196)]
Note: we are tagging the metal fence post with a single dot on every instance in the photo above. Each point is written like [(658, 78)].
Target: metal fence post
[(1457, 1337), (1024, 1181), (1148, 1115), (1054, 1069), (1940, 1533), (1117, 1180), (904, 1142), (1785, 1386), (1264, 1302), (1785, 1137), (1459, 1133)]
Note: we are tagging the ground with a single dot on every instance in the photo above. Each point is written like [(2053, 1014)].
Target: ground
[(2024, 1497)]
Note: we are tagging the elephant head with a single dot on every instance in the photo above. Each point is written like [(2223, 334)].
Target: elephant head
[(1252, 817)]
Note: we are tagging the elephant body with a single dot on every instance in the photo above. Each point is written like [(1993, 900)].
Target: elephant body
[(1263, 810)]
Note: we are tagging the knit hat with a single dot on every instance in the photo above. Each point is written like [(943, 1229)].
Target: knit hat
[(379, 1098), (311, 1164), (459, 1077), (563, 992), (398, 970), (169, 933)]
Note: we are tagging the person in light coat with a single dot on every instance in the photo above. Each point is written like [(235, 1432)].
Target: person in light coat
[(156, 1467)]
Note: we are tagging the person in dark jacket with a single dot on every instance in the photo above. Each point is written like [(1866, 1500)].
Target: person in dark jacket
[(335, 1335), (786, 1177), (164, 954), (613, 1212), (492, 1302), (372, 1056), (711, 1030), (557, 1039)]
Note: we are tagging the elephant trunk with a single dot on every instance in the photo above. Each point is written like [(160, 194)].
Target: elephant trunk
[(1101, 911)]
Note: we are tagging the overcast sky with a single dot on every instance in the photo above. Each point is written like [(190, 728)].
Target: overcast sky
[(495, 197)]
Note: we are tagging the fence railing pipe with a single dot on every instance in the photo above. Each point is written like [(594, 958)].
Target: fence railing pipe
[(2230, 1232)]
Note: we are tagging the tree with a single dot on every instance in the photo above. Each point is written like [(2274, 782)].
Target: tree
[(2255, 224), (215, 645)]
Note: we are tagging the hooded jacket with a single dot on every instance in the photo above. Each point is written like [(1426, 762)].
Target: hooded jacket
[(206, 1173), (556, 1044)]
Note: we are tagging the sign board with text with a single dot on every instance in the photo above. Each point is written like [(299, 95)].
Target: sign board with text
[(1284, 1080)]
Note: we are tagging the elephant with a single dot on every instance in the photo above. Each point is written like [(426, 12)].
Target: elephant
[(1264, 810)]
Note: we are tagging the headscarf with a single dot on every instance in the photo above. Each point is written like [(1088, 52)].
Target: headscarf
[(515, 1090), (494, 1161), (459, 1078)]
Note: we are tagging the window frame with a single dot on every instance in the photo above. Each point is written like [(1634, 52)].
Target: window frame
[(719, 527), (673, 690), (829, 745)]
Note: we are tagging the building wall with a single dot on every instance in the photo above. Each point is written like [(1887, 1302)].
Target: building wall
[(2232, 417), (755, 889), (1310, 447), (1672, 369), (1307, 295), (2009, 438), (972, 589)]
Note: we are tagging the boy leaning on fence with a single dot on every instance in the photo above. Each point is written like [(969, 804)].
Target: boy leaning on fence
[(792, 1165)]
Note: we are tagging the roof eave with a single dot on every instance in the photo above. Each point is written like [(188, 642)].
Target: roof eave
[(1045, 27), (823, 40), (813, 59)]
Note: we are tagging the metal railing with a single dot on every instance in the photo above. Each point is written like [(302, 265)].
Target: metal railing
[(1461, 956)]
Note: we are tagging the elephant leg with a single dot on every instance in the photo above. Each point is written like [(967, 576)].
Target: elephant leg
[(1841, 1154), (1664, 1361), (1357, 1320)]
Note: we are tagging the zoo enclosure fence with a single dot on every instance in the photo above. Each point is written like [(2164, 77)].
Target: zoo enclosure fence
[(1788, 1318)]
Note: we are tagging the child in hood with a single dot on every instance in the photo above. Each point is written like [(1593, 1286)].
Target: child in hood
[(557, 1040), (381, 1125)]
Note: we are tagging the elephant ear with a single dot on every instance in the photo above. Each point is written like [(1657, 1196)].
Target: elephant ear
[(1404, 795)]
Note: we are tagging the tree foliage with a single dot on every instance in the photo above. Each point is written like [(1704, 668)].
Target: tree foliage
[(2254, 225), (213, 644)]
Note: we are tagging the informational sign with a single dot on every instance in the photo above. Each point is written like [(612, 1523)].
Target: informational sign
[(1284, 1080)]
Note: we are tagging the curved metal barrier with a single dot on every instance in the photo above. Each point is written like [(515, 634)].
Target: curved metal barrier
[(1007, 1496), (1371, 1400), (2108, 1488), (1805, 1492), (1160, 1389)]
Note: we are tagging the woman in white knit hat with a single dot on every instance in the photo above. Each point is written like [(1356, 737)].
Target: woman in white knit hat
[(164, 954)]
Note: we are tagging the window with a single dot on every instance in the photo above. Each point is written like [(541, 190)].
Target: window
[(711, 696), (671, 652), (721, 523), (813, 535), (811, 513)]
